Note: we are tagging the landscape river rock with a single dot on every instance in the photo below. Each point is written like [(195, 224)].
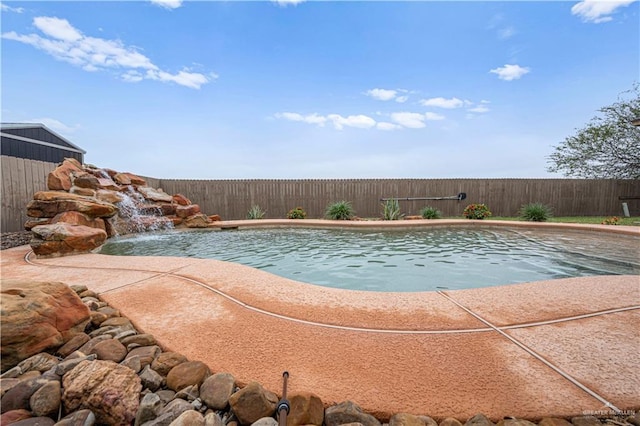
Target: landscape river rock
[(85, 205)]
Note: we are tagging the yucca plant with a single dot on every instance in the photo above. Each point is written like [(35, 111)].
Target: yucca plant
[(430, 213), (255, 212), (391, 210), (341, 210), (535, 212)]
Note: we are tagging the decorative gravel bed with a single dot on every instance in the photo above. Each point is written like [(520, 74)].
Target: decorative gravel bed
[(14, 239)]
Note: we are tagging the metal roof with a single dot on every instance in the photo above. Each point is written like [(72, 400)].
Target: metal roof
[(7, 126)]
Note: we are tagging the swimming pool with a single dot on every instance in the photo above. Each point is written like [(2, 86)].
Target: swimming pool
[(403, 261)]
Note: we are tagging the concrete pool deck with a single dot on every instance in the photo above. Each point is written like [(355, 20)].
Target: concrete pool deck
[(553, 348)]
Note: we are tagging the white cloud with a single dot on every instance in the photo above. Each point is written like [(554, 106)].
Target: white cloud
[(6, 8), (382, 94), (359, 121), (598, 11), (412, 120), (402, 99), (310, 118), (339, 122), (66, 43), (510, 72), (167, 4), (383, 125), (479, 109), (57, 28), (506, 33), (432, 116), (288, 2), (444, 103)]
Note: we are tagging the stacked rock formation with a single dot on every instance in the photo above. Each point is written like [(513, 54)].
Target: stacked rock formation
[(85, 205), (82, 363)]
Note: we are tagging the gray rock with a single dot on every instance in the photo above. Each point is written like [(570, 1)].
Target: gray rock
[(252, 403), (146, 353), (150, 379), (213, 419), (149, 408), (450, 421), (175, 408), (265, 421), (35, 421), (18, 396), (190, 393), (585, 421), (479, 420), (140, 339), (79, 418), (88, 347), (12, 373), (45, 401), (189, 418), (110, 350), (132, 363), (39, 362), (73, 344), (68, 365), (217, 389), (166, 395), (348, 412)]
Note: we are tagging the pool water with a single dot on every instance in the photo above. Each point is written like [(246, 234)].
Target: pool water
[(403, 261)]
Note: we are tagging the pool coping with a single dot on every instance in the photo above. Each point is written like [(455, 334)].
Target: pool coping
[(551, 348)]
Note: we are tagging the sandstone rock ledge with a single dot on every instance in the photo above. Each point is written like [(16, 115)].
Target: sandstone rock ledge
[(92, 367)]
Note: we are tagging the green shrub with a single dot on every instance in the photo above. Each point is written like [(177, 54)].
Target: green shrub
[(340, 210), (297, 213), (391, 210), (476, 211), (535, 212), (255, 212), (430, 213)]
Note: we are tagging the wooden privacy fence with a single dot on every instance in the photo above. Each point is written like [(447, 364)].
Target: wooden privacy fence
[(232, 199), (21, 178)]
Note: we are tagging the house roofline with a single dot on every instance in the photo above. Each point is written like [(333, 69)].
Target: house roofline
[(42, 126)]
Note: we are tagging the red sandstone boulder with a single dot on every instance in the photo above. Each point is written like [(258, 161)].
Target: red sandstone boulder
[(32, 223), (77, 218), (60, 239), (122, 179), (37, 316), (60, 177), (186, 211), (109, 196), (199, 220), (85, 192), (50, 203), (155, 194), (108, 389), (86, 180), (109, 184), (181, 200), (134, 179)]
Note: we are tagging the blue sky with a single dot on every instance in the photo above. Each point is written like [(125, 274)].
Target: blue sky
[(314, 89)]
